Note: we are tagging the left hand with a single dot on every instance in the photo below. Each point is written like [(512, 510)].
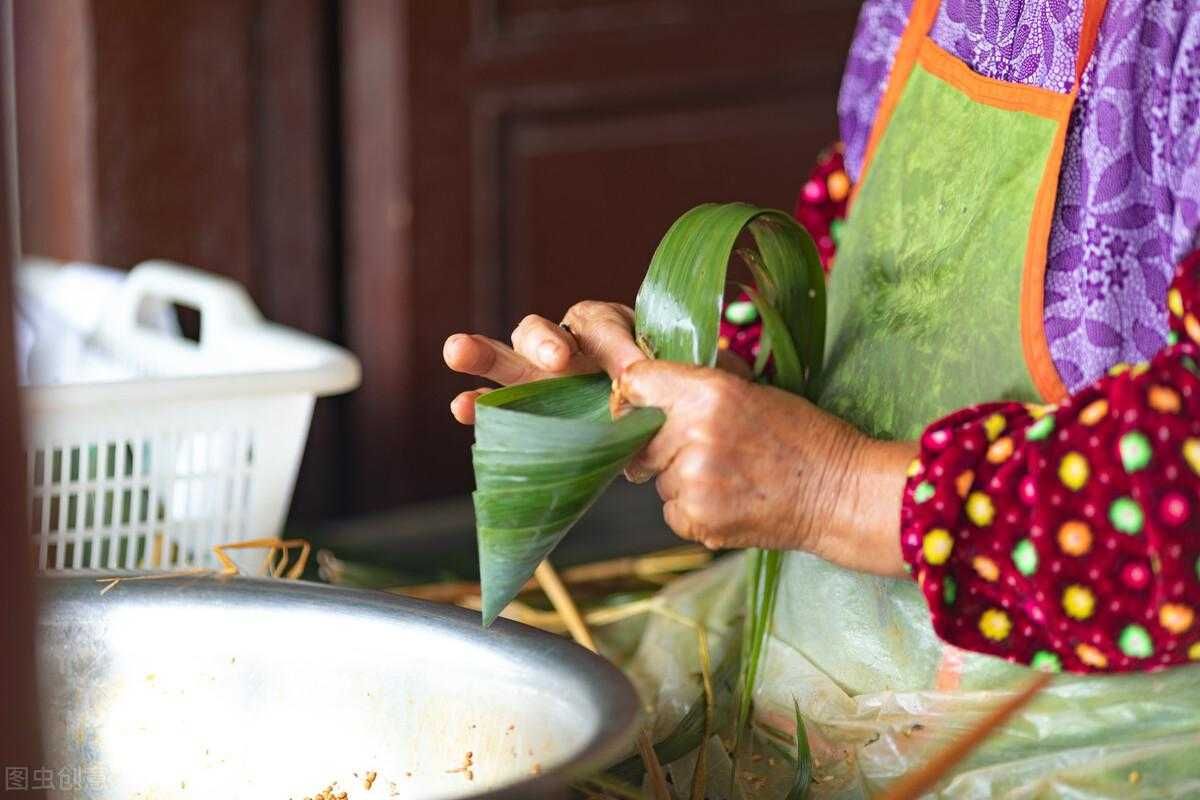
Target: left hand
[(746, 465)]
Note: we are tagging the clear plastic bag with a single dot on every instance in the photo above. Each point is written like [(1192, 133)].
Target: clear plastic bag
[(880, 693)]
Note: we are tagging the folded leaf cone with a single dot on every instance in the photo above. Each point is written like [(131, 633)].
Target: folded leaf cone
[(545, 451)]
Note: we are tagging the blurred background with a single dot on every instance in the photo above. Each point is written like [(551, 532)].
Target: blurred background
[(383, 173)]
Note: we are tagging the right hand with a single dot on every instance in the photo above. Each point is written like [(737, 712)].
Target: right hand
[(598, 336)]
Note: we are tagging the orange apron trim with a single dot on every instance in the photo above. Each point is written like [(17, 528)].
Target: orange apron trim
[(1089, 32), (1033, 278), (920, 21), (915, 47), (989, 91)]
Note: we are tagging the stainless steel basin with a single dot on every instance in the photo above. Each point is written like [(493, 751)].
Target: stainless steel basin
[(240, 688)]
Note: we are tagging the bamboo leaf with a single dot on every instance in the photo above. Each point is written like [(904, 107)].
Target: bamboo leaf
[(802, 777), (766, 583), (678, 307), (790, 258), (764, 568), (789, 370), (754, 575), (560, 417), (688, 733), (505, 469), (544, 451)]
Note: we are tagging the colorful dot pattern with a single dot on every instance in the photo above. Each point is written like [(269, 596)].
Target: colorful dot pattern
[(1068, 537), (740, 328), (821, 204)]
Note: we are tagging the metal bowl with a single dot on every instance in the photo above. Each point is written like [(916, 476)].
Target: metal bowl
[(204, 687)]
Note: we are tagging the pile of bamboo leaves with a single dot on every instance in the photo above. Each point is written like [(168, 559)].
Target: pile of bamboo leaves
[(545, 451)]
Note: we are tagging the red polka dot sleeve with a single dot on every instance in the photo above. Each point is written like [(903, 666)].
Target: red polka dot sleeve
[(821, 204), (1067, 537)]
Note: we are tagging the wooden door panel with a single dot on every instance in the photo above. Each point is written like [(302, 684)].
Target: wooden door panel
[(173, 148), (586, 197)]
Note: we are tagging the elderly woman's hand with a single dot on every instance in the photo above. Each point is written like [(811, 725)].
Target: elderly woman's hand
[(738, 464), (593, 336), (746, 465), (597, 336)]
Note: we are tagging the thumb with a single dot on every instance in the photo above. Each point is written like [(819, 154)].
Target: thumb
[(660, 384)]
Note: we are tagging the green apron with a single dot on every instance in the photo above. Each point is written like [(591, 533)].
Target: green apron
[(935, 304), (925, 301)]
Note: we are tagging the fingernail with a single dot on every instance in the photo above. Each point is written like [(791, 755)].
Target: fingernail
[(623, 387), (634, 476), (617, 407), (548, 353)]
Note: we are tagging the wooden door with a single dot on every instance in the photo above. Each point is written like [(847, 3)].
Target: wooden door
[(513, 156)]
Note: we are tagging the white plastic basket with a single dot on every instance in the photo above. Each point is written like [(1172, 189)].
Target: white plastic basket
[(184, 445)]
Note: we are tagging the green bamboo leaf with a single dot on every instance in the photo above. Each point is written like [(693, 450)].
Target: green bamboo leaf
[(762, 279), (802, 777), (506, 465), (559, 417), (544, 451), (688, 733), (544, 504), (678, 309), (750, 642), (789, 370), (790, 258), (766, 286), (764, 568)]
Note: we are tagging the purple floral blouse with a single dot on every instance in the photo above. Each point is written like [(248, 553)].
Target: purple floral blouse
[(1129, 196)]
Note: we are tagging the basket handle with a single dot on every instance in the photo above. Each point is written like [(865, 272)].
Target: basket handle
[(224, 305)]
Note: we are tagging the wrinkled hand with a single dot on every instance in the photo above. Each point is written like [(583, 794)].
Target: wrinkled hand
[(738, 464), (746, 465), (593, 336), (598, 336)]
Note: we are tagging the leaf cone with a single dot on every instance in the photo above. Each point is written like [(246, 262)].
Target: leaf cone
[(545, 451)]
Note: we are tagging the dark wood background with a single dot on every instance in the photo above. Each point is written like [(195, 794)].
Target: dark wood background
[(385, 173)]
